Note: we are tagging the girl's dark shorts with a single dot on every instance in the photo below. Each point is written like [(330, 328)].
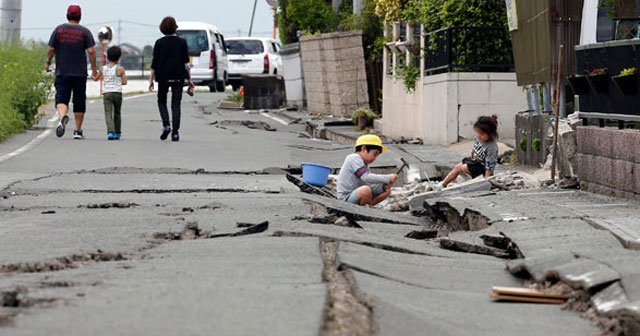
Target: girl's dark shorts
[(476, 168), (68, 85)]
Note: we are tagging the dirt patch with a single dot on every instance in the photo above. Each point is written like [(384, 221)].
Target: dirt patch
[(59, 264), (346, 311)]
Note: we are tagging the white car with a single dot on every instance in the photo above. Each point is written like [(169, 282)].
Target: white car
[(208, 54), (252, 55)]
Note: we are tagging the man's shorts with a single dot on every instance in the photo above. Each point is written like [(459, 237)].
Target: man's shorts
[(377, 190), (68, 85), (476, 168)]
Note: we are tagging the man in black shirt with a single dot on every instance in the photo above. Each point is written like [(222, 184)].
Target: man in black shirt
[(69, 43)]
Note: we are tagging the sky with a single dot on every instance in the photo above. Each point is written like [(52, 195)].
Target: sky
[(40, 17)]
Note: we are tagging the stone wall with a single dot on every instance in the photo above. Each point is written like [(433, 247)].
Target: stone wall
[(608, 161), (334, 73)]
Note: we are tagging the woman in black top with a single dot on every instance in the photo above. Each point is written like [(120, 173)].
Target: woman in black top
[(170, 67)]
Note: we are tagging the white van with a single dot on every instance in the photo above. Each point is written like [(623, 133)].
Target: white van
[(208, 54), (252, 55)]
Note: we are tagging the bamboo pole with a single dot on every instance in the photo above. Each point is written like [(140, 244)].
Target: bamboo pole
[(556, 108)]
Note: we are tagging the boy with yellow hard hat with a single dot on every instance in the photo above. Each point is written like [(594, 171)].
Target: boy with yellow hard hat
[(358, 185)]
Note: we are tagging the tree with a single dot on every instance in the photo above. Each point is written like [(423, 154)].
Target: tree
[(307, 16)]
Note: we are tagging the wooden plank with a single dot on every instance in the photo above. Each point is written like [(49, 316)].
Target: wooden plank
[(515, 291), (525, 299)]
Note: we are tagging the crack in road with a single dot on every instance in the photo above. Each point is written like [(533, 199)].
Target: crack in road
[(62, 263), (347, 312), (379, 246), (39, 192)]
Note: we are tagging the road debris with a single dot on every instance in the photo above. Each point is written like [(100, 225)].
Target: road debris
[(526, 295)]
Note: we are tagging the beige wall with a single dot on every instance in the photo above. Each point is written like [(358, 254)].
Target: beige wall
[(401, 110), (446, 106), (334, 73)]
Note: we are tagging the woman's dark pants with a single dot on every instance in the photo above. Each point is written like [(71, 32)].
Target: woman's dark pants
[(176, 100)]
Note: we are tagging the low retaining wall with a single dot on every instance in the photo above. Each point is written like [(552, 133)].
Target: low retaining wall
[(446, 106), (608, 161)]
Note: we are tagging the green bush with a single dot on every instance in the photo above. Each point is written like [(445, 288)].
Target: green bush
[(469, 47), (25, 86)]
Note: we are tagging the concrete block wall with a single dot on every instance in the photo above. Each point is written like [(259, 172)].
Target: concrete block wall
[(608, 161), (334, 72)]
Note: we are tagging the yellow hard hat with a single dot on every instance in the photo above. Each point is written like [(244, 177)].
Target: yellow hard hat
[(371, 139)]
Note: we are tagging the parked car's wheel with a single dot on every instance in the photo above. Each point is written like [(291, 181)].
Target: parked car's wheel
[(212, 88), (221, 85)]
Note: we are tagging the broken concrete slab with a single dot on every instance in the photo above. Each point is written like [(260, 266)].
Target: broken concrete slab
[(625, 229), (309, 189), (401, 309), (475, 185), (204, 286), (610, 298), (459, 246), (360, 213)]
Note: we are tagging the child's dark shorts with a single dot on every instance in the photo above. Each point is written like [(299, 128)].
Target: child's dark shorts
[(68, 85), (476, 168)]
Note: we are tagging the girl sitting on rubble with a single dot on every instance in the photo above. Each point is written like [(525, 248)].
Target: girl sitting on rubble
[(483, 156)]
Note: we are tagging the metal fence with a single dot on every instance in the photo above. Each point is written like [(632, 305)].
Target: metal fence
[(137, 67), (468, 49)]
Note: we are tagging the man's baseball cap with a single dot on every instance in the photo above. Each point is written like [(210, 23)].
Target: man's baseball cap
[(74, 10)]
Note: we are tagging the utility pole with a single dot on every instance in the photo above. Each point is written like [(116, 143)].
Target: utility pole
[(119, 31), (10, 20), (255, 4)]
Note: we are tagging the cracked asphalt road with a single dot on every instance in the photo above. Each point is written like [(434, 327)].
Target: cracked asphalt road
[(80, 254)]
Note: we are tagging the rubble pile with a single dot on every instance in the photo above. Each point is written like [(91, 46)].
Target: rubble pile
[(515, 181)]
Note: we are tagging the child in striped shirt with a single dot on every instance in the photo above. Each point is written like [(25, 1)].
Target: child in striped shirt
[(114, 78)]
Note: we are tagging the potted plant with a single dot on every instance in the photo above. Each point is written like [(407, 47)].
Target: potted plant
[(599, 80), (363, 117), (627, 81), (579, 84)]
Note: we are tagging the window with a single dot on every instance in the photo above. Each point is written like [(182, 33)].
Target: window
[(197, 40), (245, 47)]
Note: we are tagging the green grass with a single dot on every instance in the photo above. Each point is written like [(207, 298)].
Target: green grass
[(24, 86)]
